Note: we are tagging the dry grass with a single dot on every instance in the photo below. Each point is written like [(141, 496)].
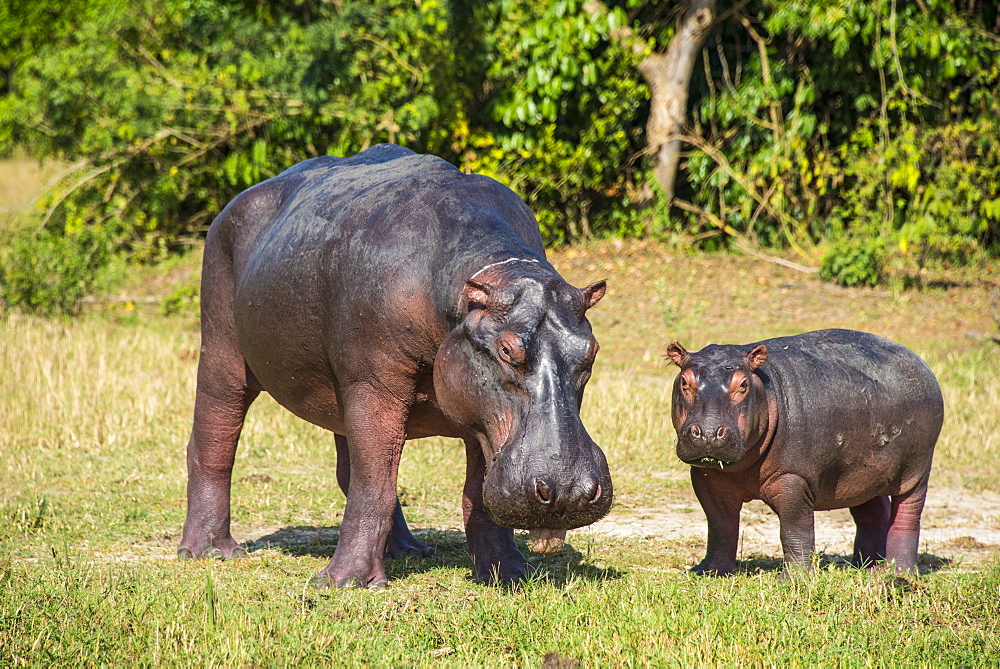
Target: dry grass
[(22, 180)]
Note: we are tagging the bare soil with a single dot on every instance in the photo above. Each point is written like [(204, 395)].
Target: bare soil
[(959, 527)]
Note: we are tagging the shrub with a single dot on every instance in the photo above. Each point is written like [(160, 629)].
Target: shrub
[(48, 274), (854, 262)]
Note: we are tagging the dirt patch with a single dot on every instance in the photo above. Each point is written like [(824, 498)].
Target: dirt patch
[(957, 525), (959, 528)]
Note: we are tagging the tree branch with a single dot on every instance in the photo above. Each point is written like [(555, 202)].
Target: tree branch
[(739, 240)]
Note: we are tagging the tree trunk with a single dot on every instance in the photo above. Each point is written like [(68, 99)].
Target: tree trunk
[(668, 76)]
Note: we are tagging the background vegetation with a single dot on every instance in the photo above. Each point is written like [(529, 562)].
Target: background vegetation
[(856, 135)]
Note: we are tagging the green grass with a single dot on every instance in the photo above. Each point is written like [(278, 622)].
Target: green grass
[(95, 414), (601, 608)]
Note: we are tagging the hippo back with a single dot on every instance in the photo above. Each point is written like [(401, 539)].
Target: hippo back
[(847, 397)]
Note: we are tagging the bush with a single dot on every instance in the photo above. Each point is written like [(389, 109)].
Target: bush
[(48, 274), (854, 262)]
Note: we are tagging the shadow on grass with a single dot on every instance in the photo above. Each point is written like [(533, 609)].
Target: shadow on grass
[(568, 565), (565, 566), (926, 563)]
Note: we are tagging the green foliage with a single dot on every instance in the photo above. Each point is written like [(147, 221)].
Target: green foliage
[(48, 274), (168, 110), (566, 119), (853, 116), (937, 192), (854, 262), (183, 296), (809, 121)]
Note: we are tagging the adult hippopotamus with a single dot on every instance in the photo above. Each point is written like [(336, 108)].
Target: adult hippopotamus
[(386, 297), (824, 420)]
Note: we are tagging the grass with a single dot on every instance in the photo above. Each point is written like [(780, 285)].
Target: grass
[(95, 412)]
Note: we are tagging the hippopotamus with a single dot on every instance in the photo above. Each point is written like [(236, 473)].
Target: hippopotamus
[(385, 297), (823, 420)]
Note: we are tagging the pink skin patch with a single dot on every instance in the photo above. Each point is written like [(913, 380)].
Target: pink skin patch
[(546, 541)]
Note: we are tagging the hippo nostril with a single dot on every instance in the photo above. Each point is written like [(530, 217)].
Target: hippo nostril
[(544, 491), (721, 433), (597, 494), (696, 432)]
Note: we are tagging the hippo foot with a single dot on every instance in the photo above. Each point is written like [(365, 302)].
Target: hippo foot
[(411, 548), (235, 552), (324, 581), (545, 541), (506, 573), (706, 568), (866, 562)]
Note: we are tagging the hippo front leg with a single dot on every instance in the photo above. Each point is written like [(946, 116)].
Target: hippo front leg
[(495, 556), (401, 543), (792, 500), (375, 428), (722, 505)]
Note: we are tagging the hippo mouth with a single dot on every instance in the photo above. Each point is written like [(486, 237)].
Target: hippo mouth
[(709, 463)]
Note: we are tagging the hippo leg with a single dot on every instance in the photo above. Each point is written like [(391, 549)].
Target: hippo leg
[(495, 556), (376, 429), (225, 390), (872, 519), (792, 501), (401, 543), (722, 509), (904, 528), (210, 454)]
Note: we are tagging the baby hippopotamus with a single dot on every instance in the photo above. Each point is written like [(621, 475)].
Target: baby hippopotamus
[(822, 420)]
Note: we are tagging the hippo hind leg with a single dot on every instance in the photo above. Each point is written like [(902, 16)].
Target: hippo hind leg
[(221, 405), (872, 520), (903, 539), (401, 542)]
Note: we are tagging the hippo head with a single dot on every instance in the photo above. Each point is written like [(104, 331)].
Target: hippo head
[(720, 406), (512, 374)]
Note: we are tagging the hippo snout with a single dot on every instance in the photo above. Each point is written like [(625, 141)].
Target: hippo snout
[(562, 498), (554, 498), (719, 437), (706, 445)]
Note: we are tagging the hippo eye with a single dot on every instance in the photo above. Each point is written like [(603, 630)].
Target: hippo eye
[(739, 386), (510, 349), (687, 385)]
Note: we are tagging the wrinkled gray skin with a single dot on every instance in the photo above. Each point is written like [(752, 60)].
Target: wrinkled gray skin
[(824, 420), (387, 297)]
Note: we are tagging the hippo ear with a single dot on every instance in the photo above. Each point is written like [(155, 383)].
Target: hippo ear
[(757, 356), (677, 354), (477, 294), (593, 293)]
